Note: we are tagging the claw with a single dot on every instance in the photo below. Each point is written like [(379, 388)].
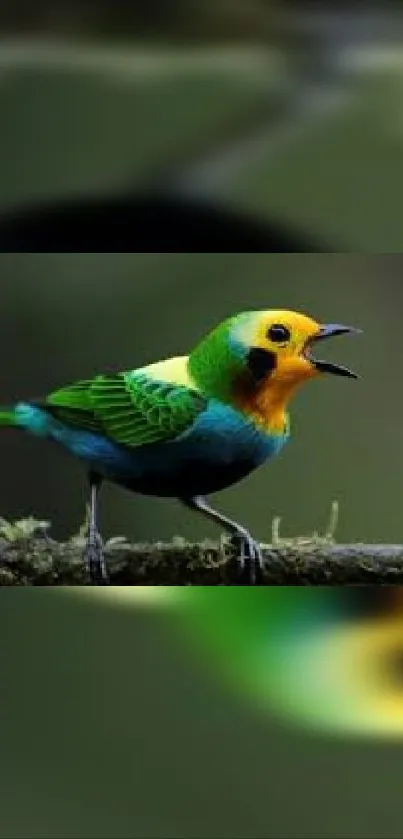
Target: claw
[(94, 559), (275, 531), (333, 522), (250, 559)]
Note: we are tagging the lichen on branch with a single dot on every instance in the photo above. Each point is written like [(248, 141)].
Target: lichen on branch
[(29, 556)]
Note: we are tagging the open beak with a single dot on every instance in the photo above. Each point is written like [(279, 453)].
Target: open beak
[(328, 331)]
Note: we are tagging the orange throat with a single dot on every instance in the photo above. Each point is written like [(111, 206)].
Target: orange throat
[(267, 404)]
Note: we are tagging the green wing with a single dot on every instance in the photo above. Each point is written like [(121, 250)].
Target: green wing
[(129, 408)]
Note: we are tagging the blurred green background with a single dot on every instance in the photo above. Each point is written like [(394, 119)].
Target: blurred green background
[(296, 104), (113, 725)]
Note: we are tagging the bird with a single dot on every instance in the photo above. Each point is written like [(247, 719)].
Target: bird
[(187, 426)]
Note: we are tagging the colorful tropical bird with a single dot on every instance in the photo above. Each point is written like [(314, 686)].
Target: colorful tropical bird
[(188, 426)]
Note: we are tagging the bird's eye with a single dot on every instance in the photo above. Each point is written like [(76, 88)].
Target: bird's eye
[(278, 333)]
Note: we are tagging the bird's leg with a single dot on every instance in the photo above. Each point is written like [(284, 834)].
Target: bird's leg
[(250, 554), (93, 552)]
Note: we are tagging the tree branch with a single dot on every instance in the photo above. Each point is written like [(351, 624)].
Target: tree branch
[(35, 559)]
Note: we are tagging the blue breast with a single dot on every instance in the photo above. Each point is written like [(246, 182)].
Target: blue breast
[(220, 448)]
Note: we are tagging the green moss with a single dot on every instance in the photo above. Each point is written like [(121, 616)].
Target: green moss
[(29, 556)]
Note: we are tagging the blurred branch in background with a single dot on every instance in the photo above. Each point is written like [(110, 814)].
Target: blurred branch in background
[(156, 220), (174, 20), (158, 95)]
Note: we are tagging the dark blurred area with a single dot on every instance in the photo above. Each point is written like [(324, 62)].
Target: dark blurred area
[(157, 219), (278, 115), (175, 19), (172, 19)]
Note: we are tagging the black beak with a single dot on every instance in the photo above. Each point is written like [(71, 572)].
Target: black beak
[(329, 331)]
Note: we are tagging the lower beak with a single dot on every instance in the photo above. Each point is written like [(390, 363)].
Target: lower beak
[(328, 331)]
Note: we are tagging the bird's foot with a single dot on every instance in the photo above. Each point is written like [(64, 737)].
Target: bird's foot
[(250, 559), (94, 559)]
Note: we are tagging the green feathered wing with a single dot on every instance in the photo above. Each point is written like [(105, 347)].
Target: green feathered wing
[(130, 408)]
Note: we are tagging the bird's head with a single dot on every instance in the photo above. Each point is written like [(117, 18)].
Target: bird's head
[(273, 350), (281, 344)]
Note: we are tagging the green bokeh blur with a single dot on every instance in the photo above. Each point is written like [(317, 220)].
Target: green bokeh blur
[(114, 725), (118, 121), (87, 117)]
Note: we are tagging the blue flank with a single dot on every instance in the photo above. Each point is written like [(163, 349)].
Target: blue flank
[(220, 448)]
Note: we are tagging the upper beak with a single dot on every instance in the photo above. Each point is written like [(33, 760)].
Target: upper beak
[(327, 331)]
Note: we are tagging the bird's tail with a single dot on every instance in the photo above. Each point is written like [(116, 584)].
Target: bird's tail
[(8, 417), (27, 416)]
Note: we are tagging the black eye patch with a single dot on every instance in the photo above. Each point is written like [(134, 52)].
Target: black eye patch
[(278, 333), (261, 363)]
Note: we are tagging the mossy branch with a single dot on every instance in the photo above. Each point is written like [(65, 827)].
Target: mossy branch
[(28, 556)]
